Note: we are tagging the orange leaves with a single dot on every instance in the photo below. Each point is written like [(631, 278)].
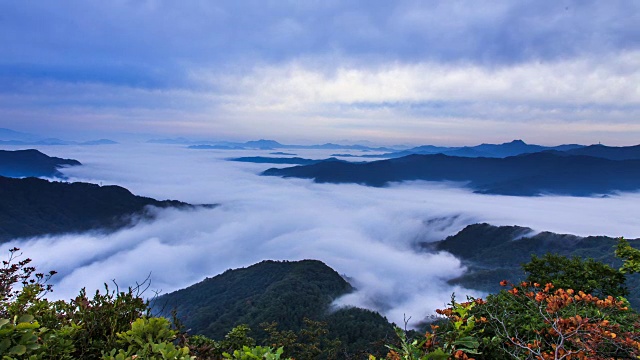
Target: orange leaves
[(571, 324), (461, 355), (393, 355), (479, 301), (544, 322)]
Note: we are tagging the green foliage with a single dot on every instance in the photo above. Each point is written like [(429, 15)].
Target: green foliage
[(456, 337), (415, 349), (588, 275), (32, 286), (202, 347), (493, 253), (57, 343), (257, 353), (535, 321), (205, 348), (18, 336), (629, 255), (148, 338), (458, 333), (311, 342), (237, 338), (284, 292), (528, 320), (80, 329), (412, 349), (95, 321), (361, 332)]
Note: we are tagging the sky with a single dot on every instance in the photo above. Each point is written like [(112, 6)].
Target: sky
[(370, 235), (392, 72)]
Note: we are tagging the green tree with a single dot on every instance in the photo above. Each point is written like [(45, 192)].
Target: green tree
[(590, 276), (630, 256), (533, 321), (148, 338)]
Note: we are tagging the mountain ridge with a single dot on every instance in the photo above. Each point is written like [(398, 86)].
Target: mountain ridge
[(494, 253), (285, 292), (31, 162), (35, 207), (531, 174)]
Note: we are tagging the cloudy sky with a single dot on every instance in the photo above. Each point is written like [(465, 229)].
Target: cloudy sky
[(414, 72)]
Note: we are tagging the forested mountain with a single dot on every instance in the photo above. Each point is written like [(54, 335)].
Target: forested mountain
[(495, 253), (21, 163), (32, 207), (264, 145), (284, 292), (523, 175)]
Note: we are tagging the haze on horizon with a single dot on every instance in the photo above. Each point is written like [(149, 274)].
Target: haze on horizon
[(404, 72)]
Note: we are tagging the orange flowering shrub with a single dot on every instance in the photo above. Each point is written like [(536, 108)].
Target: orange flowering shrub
[(541, 322)]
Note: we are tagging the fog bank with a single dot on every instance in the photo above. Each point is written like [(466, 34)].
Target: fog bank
[(367, 234)]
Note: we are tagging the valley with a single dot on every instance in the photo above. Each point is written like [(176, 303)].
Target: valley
[(400, 250)]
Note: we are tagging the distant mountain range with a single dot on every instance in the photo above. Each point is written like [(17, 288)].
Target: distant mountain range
[(547, 172), (33, 207), (16, 138), (21, 163), (515, 147), (265, 145)]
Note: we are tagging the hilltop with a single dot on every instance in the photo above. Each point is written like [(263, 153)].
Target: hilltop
[(22, 163), (35, 207), (494, 253), (285, 292)]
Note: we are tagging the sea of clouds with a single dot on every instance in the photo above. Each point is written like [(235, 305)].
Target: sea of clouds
[(367, 234)]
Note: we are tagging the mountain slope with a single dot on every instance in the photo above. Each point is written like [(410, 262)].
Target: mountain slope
[(284, 292), (523, 175), (21, 163), (494, 253), (32, 207)]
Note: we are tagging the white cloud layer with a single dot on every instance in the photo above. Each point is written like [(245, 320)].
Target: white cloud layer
[(577, 100), (299, 86), (368, 234)]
